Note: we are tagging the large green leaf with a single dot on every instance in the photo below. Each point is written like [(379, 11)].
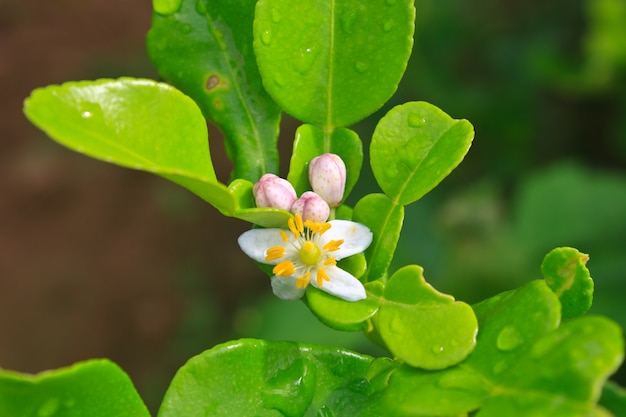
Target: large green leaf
[(331, 63), (414, 147), (144, 125), (96, 388), (258, 378), (205, 49)]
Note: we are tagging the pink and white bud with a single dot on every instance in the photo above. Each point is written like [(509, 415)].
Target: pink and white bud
[(327, 175), (275, 192), (311, 206)]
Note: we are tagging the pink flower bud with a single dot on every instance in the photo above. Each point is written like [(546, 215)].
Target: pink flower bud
[(273, 191), (327, 175), (311, 206)]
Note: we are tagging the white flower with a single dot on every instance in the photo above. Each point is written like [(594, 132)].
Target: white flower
[(308, 253)]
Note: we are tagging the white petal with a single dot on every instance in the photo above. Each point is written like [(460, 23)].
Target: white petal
[(285, 288), (255, 242), (356, 237), (341, 284)]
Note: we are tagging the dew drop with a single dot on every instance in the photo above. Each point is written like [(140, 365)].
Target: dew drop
[(305, 59), (325, 412), (266, 37), (279, 80), (509, 338), (201, 7), (347, 21), (48, 408), (499, 367), (437, 349), (361, 66), (416, 120), (186, 28), (166, 7), (388, 25), (276, 16), (86, 115)]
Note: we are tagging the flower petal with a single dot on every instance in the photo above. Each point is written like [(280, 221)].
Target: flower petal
[(285, 288), (356, 237), (341, 284), (255, 242)]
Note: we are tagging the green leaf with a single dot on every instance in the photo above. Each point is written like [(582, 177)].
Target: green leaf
[(614, 398), (566, 274), (345, 315), (332, 63), (414, 147), (311, 142), (384, 218), (258, 378), (96, 388), (422, 327), (205, 49)]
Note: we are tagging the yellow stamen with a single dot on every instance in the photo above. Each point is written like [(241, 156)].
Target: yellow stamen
[(303, 281), (284, 269), (333, 245), (318, 228), (299, 224), (321, 277), (284, 236), (292, 227), (330, 261), (274, 253)]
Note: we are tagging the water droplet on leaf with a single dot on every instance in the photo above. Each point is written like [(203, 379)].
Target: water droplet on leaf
[(48, 408), (388, 25), (266, 37), (325, 412), (200, 7), (276, 16), (347, 21), (166, 7), (186, 28), (509, 338), (416, 120), (360, 66), (305, 60), (279, 80), (437, 349)]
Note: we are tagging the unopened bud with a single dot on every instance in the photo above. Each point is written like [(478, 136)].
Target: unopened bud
[(273, 191), (327, 175), (311, 206)]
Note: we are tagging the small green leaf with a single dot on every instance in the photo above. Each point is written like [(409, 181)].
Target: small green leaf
[(204, 48), (96, 388), (414, 147), (312, 141), (332, 63), (258, 378), (422, 327), (614, 398), (345, 315), (384, 218), (566, 274), (122, 121)]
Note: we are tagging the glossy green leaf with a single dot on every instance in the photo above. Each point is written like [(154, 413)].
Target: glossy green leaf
[(258, 378), (205, 49), (422, 327), (96, 388), (384, 218), (345, 315), (414, 147), (332, 63), (614, 398), (566, 274), (523, 365), (311, 141)]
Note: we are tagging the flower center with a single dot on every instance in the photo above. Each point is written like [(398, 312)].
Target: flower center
[(309, 253)]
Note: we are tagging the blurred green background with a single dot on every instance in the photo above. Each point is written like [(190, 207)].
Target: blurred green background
[(98, 261)]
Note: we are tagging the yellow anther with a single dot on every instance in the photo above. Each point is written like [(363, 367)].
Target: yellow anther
[(321, 277), (318, 228), (299, 224), (284, 236), (330, 261), (284, 269), (274, 253), (303, 281), (333, 245)]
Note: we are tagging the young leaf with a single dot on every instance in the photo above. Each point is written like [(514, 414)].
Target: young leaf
[(205, 49), (96, 388), (311, 141), (414, 147), (384, 218), (566, 274), (422, 327), (332, 63)]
